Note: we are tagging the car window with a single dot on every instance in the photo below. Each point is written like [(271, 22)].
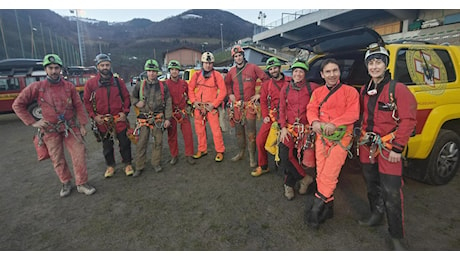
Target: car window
[(186, 75), (30, 80), (424, 66), (352, 68), (12, 84)]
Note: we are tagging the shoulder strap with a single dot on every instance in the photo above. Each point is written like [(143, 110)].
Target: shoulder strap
[(41, 92), (162, 88), (309, 88), (287, 91), (197, 73), (119, 90), (391, 91), (141, 90), (215, 79), (328, 95), (213, 75)]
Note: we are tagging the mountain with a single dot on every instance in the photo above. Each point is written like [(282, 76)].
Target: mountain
[(33, 33)]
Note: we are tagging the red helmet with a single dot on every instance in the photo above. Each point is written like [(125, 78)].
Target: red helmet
[(237, 49)]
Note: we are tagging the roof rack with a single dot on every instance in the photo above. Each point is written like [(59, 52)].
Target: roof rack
[(412, 41), (20, 65)]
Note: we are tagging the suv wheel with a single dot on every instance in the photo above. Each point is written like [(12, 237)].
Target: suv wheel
[(443, 161), (35, 110)]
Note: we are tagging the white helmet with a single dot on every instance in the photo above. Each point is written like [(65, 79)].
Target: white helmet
[(207, 57), (374, 49)]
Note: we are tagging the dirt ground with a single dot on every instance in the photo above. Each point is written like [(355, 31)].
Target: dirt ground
[(206, 207)]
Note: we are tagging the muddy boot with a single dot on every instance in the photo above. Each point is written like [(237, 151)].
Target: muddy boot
[(398, 244), (304, 183), (313, 217), (320, 211), (241, 142), (376, 219), (288, 192), (252, 154), (238, 156), (377, 211)]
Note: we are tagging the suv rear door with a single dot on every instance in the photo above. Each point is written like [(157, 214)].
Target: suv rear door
[(348, 47)]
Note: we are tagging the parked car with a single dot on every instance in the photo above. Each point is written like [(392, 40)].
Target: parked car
[(15, 75), (431, 72), (134, 80)]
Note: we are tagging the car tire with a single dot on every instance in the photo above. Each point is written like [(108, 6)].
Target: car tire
[(35, 110), (444, 159)]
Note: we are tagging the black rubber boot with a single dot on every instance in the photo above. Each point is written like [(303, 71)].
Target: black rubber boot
[(315, 213), (398, 244), (376, 219), (319, 212)]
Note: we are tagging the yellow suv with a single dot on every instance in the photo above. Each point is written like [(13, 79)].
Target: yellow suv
[(432, 74)]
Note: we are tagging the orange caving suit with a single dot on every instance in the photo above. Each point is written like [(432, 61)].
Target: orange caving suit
[(269, 101), (341, 108), (178, 92), (56, 99), (208, 90)]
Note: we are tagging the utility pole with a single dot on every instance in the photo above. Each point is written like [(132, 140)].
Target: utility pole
[(32, 29), (221, 37), (51, 40), (100, 49), (80, 39), (43, 39), (19, 32), (3, 37)]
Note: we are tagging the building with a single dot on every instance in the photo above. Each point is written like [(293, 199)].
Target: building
[(187, 57), (437, 25)]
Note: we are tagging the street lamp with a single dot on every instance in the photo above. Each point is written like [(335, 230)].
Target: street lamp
[(204, 46), (262, 17), (32, 41), (80, 40), (221, 37)]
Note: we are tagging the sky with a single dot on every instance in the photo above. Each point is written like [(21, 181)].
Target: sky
[(157, 10), (117, 15)]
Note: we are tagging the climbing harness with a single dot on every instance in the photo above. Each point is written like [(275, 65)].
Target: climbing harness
[(376, 144)]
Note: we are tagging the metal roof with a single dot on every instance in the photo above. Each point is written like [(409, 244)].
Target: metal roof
[(323, 22)]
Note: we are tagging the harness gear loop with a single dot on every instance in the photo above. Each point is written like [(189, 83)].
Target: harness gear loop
[(273, 114), (109, 122), (241, 112), (302, 135), (335, 139), (253, 107), (203, 112), (179, 115), (376, 143)]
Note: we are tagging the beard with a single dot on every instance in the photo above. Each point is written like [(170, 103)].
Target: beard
[(54, 76), (105, 72), (275, 75)]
